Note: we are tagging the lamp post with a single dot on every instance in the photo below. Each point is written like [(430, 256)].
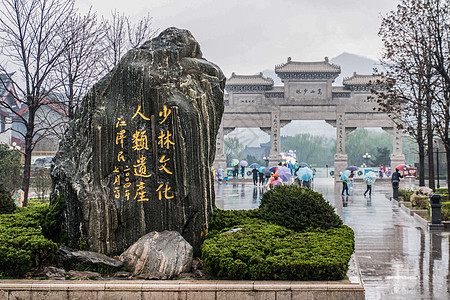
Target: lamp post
[(266, 159), (437, 162), (367, 157)]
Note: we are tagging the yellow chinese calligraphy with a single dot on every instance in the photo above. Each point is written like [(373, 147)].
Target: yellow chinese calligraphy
[(120, 137), (127, 194), (164, 139), (140, 192), (138, 112), (120, 156), (140, 169), (164, 113), (116, 169), (117, 180), (140, 140), (163, 161), (120, 122), (165, 192), (116, 192)]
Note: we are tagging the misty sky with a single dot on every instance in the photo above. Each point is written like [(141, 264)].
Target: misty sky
[(249, 36)]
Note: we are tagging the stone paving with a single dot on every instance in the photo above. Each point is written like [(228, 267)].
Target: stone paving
[(398, 257)]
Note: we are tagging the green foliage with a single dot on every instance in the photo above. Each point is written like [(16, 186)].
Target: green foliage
[(223, 220), (443, 192), (10, 168), (445, 211), (382, 157), (406, 194), (313, 149), (23, 246), (233, 149), (266, 252), (363, 141), (298, 208), (7, 205)]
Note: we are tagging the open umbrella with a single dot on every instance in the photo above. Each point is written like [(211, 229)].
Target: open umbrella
[(345, 175), (305, 174), (260, 169), (370, 177), (243, 163), (266, 172), (401, 167), (234, 162), (282, 160), (254, 166), (303, 164), (352, 168), (284, 172), (273, 169)]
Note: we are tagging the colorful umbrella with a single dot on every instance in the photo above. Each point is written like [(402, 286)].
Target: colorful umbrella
[(305, 174), (285, 173), (243, 163), (273, 169), (370, 177), (282, 160), (401, 167), (352, 168), (234, 162), (254, 166), (260, 169), (345, 175)]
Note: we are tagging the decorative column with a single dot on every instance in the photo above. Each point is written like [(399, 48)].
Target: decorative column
[(340, 158), (275, 140), (221, 159), (397, 157)]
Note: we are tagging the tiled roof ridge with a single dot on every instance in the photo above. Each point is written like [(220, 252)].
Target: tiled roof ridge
[(356, 76), (325, 61), (265, 80)]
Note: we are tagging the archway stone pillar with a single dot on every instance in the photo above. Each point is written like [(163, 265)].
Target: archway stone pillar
[(275, 139), (340, 158), (220, 159)]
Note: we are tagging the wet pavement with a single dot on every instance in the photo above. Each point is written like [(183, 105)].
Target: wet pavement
[(398, 257)]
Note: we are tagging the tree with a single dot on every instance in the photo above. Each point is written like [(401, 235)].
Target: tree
[(80, 67), (311, 149), (10, 168), (363, 141), (233, 149), (416, 50), (382, 157), (31, 40), (121, 35)]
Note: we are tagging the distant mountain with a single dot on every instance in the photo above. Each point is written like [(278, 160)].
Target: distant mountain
[(348, 62)]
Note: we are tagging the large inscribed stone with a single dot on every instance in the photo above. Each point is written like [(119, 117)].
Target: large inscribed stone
[(137, 156)]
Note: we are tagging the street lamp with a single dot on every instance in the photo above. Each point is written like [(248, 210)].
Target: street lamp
[(437, 162), (367, 157), (266, 159)]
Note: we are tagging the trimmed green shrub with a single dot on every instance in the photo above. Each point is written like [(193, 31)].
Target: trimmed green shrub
[(270, 252), (7, 205), (298, 208), (23, 245), (443, 192), (406, 194), (445, 211), (223, 220)]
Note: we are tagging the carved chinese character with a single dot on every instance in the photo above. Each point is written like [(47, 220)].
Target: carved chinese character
[(140, 169), (164, 139), (120, 156), (140, 192), (165, 192), (138, 112), (164, 113), (140, 140), (120, 137), (120, 122), (163, 161)]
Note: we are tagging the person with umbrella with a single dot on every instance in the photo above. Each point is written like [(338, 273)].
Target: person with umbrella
[(274, 181), (345, 178), (369, 179), (255, 176), (261, 177)]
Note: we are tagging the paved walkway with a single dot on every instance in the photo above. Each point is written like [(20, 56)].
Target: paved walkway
[(398, 257)]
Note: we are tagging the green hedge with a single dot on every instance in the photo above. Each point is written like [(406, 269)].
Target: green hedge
[(445, 211), (261, 250), (298, 208), (406, 194), (24, 238), (7, 205), (272, 252)]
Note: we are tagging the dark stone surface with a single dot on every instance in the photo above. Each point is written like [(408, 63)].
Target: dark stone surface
[(166, 73), (165, 253), (69, 259)]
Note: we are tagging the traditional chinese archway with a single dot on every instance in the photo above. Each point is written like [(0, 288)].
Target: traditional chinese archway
[(307, 94)]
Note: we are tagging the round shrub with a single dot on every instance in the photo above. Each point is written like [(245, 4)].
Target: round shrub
[(7, 205), (298, 208)]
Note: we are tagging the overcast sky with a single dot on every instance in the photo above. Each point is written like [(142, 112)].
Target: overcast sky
[(249, 36)]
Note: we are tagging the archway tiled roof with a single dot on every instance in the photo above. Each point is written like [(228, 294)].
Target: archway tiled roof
[(307, 67)]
